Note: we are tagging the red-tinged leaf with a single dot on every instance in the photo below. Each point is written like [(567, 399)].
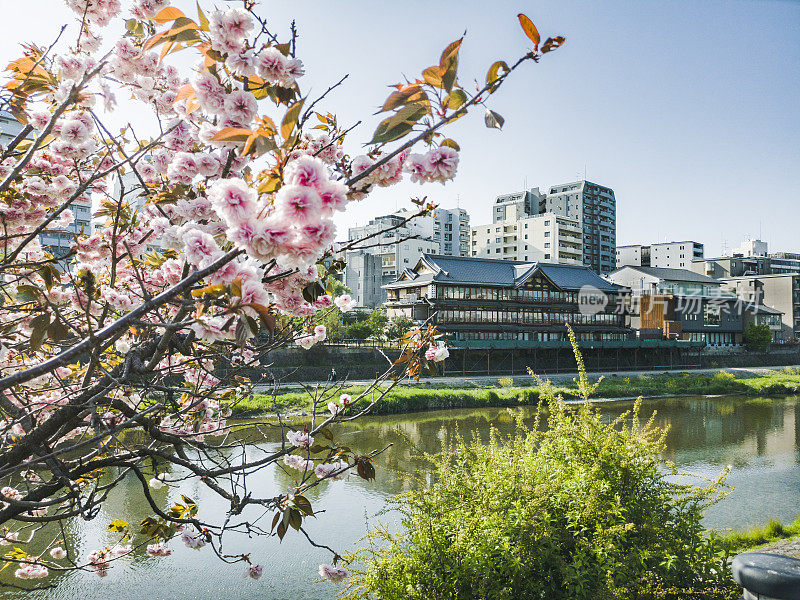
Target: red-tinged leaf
[(530, 30), (267, 319), (450, 54), (399, 98), (170, 13), (551, 44)]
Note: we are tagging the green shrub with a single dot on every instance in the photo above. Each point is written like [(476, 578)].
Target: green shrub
[(757, 337), (579, 509)]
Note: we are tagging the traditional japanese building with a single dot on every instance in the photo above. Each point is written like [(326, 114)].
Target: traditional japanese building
[(523, 302)]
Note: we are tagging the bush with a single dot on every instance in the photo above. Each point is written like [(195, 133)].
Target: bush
[(360, 330), (578, 509), (757, 337)]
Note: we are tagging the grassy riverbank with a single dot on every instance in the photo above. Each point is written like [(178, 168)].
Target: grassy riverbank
[(435, 396), (759, 536)]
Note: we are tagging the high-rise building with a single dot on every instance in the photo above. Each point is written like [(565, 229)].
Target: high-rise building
[(575, 223), (595, 208), (395, 243), (546, 237), (667, 255), (451, 228)]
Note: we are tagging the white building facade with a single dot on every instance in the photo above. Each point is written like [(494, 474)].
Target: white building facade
[(667, 255), (547, 238), (399, 241)]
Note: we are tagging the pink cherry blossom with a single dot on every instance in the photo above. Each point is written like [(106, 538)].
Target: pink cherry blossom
[(299, 438), (332, 573)]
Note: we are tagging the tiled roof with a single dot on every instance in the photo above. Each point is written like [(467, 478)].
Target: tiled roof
[(466, 270), (668, 274)]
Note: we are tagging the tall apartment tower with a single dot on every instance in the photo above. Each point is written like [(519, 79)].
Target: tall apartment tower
[(451, 229), (595, 208)]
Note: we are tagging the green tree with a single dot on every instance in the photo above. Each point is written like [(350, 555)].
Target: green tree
[(360, 330), (377, 322), (397, 326), (757, 337)]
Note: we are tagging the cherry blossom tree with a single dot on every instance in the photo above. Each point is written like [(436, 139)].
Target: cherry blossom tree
[(216, 232)]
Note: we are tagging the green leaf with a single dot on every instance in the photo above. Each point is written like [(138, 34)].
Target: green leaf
[(493, 120), (448, 64), (290, 118), (202, 18), (433, 76), (450, 144), (455, 99), (399, 124), (39, 325), (57, 331), (295, 518), (494, 71), (304, 505), (28, 293)]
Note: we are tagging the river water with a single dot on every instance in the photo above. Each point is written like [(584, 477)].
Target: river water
[(759, 438)]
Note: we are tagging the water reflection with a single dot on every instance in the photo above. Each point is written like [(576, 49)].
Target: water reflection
[(760, 438)]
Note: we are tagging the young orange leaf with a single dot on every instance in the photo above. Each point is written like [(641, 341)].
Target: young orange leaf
[(233, 134), (170, 13), (530, 30)]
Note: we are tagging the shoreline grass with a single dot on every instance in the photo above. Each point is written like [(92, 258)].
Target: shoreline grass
[(437, 396), (755, 537)]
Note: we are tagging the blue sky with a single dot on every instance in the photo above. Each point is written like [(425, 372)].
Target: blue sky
[(688, 110)]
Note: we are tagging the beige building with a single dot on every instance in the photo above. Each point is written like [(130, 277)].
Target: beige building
[(546, 237)]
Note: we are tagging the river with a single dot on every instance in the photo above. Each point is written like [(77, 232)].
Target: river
[(759, 438)]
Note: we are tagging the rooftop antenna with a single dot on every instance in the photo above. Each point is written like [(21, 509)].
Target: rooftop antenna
[(724, 247), (525, 183), (584, 171)]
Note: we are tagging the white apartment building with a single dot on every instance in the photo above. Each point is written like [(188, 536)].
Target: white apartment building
[(667, 255), (383, 257), (451, 228), (546, 237)]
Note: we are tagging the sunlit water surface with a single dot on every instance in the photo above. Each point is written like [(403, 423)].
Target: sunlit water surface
[(759, 438)]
